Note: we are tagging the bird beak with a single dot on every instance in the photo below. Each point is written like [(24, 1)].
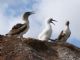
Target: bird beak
[(32, 12), (52, 21)]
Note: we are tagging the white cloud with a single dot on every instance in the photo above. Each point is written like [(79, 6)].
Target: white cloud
[(3, 19), (61, 10), (7, 21)]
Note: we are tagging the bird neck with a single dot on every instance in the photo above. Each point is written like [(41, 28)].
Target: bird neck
[(48, 25), (66, 27), (26, 22)]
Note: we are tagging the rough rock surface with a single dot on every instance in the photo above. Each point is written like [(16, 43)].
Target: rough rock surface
[(12, 48)]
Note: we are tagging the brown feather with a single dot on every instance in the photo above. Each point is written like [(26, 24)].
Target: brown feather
[(61, 35), (17, 26), (17, 29)]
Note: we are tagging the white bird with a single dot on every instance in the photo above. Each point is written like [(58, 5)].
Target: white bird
[(47, 32), (65, 33), (19, 29)]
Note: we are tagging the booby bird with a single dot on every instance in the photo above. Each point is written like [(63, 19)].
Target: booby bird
[(46, 33), (65, 33), (19, 29)]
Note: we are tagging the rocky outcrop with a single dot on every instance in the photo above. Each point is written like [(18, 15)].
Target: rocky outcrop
[(12, 48)]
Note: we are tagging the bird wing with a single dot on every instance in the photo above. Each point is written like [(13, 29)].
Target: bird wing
[(69, 34), (61, 35), (18, 28)]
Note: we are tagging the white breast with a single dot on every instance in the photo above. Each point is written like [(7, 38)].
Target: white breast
[(45, 34), (67, 31)]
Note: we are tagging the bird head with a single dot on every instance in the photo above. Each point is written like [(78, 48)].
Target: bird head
[(67, 23), (51, 21), (26, 15)]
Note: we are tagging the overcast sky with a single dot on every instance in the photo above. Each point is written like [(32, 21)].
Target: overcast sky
[(62, 10), (11, 12)]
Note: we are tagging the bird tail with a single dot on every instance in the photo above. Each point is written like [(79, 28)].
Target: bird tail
[(7, 35)]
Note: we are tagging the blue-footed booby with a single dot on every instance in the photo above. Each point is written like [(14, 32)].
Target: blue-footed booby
[(47, 32), (19, 29), (65, 33)]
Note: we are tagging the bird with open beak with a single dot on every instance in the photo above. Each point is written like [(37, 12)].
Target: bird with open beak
[(51, 21), (47, 31)]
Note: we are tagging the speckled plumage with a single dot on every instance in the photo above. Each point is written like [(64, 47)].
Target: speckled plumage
[(19, 29)]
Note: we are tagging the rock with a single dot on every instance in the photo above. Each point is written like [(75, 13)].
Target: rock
[(12, 48)]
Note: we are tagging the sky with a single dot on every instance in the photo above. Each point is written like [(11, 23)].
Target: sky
[(11, 12)]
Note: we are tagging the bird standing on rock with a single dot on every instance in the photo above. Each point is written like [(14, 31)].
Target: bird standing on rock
[(19, 29), (65, 33), (47, 32)]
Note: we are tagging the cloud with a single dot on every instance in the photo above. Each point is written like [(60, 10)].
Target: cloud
[(61, 10), (10, 14), (5, 18)]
